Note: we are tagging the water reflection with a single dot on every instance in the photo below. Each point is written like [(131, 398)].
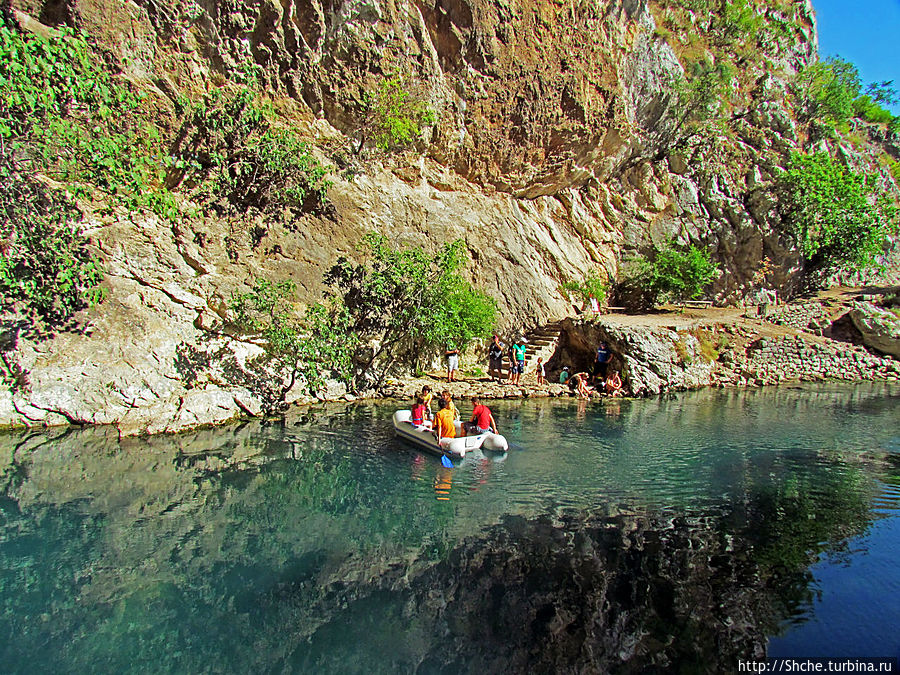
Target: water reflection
[(669, 534)]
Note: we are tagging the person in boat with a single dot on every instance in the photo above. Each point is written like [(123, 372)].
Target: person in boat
[(418, 413), (427, 396), (482, 420), (613, 384), (495, 359), (447, 396), (443, 421), (564, 375)]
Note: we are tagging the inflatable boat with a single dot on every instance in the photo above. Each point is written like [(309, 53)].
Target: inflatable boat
[(422, 437)]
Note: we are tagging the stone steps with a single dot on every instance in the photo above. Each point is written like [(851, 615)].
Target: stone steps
[(542, 343)]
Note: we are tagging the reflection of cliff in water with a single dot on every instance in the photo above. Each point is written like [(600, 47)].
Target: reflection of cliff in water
[(578, 594)]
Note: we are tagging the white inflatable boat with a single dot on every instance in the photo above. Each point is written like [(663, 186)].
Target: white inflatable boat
[(422, 437)]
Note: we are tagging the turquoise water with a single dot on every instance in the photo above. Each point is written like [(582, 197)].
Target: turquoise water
[(681, 533)]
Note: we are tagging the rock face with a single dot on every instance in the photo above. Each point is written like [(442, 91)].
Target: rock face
[(689, 354), (880, 328), (542, 159)]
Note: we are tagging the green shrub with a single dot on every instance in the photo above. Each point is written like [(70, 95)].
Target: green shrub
[(867, 109), (409, 303), (395, 116), (670, 275), (232, 148), (65, 115), (306, 347), (840, 217), (826, 90), (46, 271), (594, 285)]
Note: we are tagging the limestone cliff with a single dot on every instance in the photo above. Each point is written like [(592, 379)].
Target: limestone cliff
[(545, 157)]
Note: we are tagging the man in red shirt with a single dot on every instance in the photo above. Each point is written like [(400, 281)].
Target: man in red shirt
[(482, 420)]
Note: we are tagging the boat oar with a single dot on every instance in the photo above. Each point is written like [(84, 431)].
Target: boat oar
[(445, 461)]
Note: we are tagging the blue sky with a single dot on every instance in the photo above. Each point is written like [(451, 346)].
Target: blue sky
[(864, 32)]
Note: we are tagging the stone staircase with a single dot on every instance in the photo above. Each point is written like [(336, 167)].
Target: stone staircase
[(542, 343)]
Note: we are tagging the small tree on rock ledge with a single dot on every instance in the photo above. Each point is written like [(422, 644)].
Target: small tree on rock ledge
[(671, 275)]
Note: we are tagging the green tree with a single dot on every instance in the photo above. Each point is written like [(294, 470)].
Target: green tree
[(669, 275), (594, 285), (697, 106), (305, 347), (840, 217), (67, 117), (826, 90), (233, 149), (408, 303)]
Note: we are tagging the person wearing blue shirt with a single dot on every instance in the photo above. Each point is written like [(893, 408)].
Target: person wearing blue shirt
[(602, 363)]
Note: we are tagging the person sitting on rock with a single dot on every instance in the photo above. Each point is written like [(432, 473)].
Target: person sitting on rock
[(613, 384), (443, 421), (564, 375), (579, 384)]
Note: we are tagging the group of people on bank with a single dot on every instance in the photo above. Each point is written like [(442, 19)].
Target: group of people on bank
[(443, 422), (600, 379)]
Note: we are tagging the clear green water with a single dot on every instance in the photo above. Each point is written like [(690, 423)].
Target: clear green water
[(676, 534)]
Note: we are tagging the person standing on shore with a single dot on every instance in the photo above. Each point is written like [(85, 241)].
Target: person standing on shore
[(452, 355), (511, 357), (495, 359), (519, 349), (602, 363), (539, 372)]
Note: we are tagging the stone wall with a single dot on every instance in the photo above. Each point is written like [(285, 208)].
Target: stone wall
[(694, 354)]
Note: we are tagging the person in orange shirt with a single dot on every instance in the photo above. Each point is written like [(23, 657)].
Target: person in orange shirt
[(447, 396), (443, 421)]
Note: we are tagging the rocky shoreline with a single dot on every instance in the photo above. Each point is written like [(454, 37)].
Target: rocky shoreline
[(657, 353)]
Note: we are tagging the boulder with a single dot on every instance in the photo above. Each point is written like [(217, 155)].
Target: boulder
[(880, 327)]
